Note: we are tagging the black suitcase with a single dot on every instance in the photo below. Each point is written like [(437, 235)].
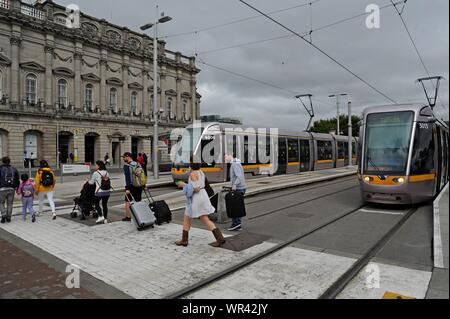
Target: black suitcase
[(161, 210), (234, 202)]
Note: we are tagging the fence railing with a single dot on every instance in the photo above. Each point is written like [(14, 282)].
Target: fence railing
[(32, 11), (4, 4)]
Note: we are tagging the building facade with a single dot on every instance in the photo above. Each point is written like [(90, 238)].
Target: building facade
[(90, 88)]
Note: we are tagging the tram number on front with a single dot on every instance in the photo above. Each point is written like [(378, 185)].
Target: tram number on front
[(423, 126)]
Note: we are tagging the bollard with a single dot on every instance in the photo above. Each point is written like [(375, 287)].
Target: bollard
[(220, 216)]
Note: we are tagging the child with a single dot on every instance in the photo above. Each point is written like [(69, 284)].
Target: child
[(26, 190)]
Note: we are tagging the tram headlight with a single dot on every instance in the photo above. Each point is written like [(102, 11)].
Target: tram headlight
[(399, 180), (368, 179)]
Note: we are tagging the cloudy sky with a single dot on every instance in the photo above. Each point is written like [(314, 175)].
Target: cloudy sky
[(383, 57)]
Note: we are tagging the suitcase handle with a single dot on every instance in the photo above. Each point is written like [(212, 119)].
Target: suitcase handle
[(147, 193), (132, 198)]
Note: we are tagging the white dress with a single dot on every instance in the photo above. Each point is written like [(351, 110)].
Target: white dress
[(201, 204)]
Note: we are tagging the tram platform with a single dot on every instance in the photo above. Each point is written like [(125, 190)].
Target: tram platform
[(439, 284)]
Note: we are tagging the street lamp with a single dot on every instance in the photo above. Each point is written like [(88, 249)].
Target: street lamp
[(147, 26), (337, 108)]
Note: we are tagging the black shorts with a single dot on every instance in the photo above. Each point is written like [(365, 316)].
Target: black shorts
[(136, 192)]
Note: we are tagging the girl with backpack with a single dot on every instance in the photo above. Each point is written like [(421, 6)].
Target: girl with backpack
[(45, 183), (100, 178), (26, 191)]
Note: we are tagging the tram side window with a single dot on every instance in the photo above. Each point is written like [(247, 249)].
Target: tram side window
[(250, 149), (342, 150), (264, 153), (293, 151), (324, 150), (231, 146), (423, 151), (304, 154), (210, 148)]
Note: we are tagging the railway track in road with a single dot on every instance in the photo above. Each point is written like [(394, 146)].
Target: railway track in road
[(336, 287)]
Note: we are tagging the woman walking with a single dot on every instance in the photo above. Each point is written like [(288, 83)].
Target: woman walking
[(198, 206), (100, 178), (45, 183)]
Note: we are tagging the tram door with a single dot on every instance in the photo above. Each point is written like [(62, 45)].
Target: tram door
[(282, 156), (305, 156)]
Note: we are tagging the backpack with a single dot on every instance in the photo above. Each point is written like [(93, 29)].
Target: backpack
[(47, 178), (138, 178), (8, 177), (105, 184), (28, 190)]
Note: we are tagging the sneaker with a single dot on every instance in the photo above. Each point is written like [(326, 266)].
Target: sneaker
[(3, 220), (126, 219), (235, 227), (105, 221), (8, 219), (101, 219), (53, 216), (33, 218)]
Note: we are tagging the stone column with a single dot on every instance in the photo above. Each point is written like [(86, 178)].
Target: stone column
[(78, 57), (145, 96), (125, 98), (49, 50), (194, 114), (103, 64), (15, 86)]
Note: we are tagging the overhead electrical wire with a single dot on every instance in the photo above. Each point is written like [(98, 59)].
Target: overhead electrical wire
[(321, 51), (236, 21)]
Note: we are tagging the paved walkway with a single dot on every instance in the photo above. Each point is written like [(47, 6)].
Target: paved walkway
[(439, 285)]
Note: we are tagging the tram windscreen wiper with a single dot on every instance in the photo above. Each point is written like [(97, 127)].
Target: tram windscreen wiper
[(380, 174)]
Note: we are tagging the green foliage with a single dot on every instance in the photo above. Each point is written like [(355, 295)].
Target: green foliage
[(329, 125)]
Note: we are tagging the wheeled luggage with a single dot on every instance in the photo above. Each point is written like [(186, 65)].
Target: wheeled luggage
[(160, 208), (234, 202), (143, 217)]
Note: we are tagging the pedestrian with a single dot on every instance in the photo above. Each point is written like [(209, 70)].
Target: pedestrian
[(145, 164), (135, 182), (107, 160), (72, 157), (9, 182), (237, 179), (198, 206), (26, 190), (45, 183), (100, 178)]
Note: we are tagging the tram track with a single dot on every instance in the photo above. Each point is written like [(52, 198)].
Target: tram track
[(338, 285)]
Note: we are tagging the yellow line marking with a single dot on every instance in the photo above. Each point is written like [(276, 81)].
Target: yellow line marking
[(394, 295)]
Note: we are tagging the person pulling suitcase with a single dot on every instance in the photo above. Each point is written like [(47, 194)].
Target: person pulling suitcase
[(237, 179)]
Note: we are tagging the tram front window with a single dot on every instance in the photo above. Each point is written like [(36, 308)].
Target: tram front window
[(388, 137), (187, 145)]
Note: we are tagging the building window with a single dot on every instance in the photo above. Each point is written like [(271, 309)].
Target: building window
[(1, 144), (186, 110), (134, 96), (88, 96), (113, 100), (31, 88), (62, 93), (1, 86), (151, 106), (171, 108)]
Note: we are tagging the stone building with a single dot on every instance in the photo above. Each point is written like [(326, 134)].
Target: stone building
[(92, 85)]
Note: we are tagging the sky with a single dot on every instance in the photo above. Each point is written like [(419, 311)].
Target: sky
[(384, 57)]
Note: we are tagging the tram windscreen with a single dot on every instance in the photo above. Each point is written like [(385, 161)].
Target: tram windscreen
[(186, 146), (387, 142)]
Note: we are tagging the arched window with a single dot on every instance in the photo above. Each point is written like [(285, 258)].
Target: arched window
[(89, 97), (62, 93), (134, 96), (31, 89), (171, 108), (185, 110), (113, 100), (151, 105)]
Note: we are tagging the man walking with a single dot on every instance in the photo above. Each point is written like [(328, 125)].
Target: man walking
[(135, 183), (9, 183), (237, 179)]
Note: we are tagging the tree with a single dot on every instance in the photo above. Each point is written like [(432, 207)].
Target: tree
[(330, 125)]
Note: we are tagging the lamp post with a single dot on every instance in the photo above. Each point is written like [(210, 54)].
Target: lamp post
[(337, 109), (147, 26), (350, 137)]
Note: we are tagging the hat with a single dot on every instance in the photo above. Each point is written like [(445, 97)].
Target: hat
[(126, 154)]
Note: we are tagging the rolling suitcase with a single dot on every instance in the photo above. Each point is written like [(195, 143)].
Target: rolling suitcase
[(235, 206), (160, 208), (143, 216)]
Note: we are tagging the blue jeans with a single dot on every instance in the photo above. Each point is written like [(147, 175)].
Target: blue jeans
[(237, 220), (27, 206)]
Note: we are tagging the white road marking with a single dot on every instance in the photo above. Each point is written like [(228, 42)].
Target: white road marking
[(380, 212)]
